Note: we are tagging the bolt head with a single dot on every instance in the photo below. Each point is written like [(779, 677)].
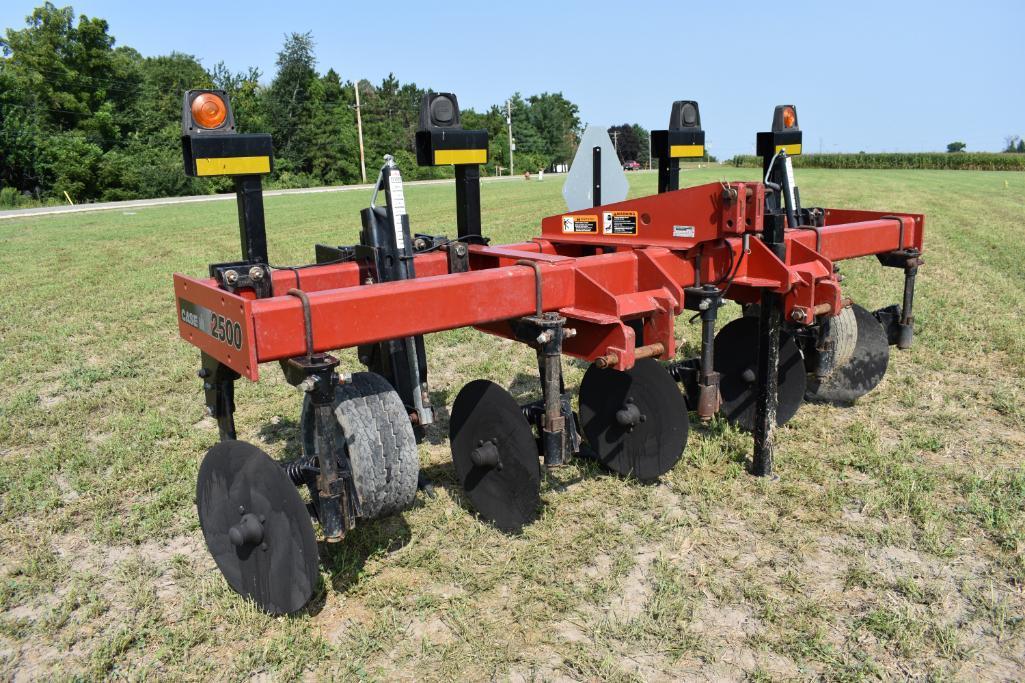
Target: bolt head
[(460, 250), (230, 276), (256, 273)]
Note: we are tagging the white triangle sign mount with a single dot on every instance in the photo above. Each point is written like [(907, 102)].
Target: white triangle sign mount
[(578, 191)]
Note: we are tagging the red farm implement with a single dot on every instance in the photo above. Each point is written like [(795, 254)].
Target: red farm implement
[(603, 284)]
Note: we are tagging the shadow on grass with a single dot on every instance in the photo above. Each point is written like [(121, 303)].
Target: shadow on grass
[(285, 431), (345, 561)]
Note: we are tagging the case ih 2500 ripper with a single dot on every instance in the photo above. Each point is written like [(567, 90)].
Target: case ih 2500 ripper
[(603, 284)]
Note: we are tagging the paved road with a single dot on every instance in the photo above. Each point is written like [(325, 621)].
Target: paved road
[(146, 203)]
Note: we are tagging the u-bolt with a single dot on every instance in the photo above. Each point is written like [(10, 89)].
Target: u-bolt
[(537, 283), (307, 319)]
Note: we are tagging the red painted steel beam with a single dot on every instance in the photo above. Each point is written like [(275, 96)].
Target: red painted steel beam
[(598, 281), (364, 314)]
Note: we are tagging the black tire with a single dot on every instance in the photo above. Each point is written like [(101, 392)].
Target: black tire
[(376, 433)]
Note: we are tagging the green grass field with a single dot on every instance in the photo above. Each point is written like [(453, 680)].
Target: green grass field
[(892, 545)]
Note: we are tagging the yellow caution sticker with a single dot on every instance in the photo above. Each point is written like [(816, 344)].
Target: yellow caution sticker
[(443, 157), (587, 225), (686, 151), (791, 150), (619, 223), (232, 166)]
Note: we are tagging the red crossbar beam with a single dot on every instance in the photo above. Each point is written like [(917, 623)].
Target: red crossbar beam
[(599, 282)]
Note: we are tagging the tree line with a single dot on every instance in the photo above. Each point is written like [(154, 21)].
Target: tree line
[(83, 117)]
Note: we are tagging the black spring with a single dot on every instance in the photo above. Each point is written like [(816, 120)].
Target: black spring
[(297, 469)]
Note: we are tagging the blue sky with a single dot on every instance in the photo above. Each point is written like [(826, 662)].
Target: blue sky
[(865, 75)]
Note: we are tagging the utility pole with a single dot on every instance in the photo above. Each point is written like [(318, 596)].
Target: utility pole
[(512, 146), (359, 127)]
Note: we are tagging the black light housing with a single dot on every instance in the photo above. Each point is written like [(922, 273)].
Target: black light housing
[(439, 110), (782, 138), (441, 140), (784, 118), (192, 127), (684, 138), (685, 116), (217, 149)]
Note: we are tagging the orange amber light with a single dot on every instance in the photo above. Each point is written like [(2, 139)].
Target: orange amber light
[(789, 117), (209, 110)]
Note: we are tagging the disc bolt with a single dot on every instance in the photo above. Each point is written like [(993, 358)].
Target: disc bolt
[(230, 276), (748, 375), (256, 273), (203, 373), (544, 337), (460, 250), (798, 314), (249, 531)]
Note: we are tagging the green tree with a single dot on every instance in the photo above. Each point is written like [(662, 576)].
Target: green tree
[(955, 147), (335, 153), (71, 72), (557, 124), (246, 95), (644, 144), (628, 145), (69, 162), (290, 103)]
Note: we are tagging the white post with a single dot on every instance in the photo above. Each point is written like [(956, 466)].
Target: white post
[(359, 127), (508, 119)]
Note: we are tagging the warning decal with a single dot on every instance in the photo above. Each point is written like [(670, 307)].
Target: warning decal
[(580, 224), (623, 223)]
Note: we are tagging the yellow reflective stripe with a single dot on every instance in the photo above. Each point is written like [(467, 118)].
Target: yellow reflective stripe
[(676, 151), (232, 166), (460, 156), (793, 150)]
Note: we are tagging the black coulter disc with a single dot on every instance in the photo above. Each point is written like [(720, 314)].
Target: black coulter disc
[(862, 370), (257, 527), (635, 421), (495, 455), (736, 361)]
